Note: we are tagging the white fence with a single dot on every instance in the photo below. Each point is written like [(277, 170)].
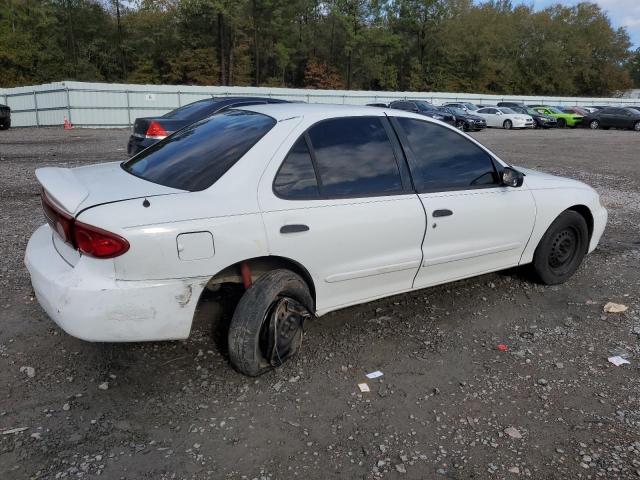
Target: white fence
[(118, 105)]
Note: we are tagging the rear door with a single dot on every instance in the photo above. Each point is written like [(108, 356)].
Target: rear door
[(474, 224), (491, 115), (337, 199)]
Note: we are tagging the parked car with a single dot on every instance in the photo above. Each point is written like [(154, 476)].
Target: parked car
[(423, 108), (381, 105), (465, 121), (616, 117), (564, 119), (574, 110), (541, 121), (503, 117), (149, 130), (466, 106), (305, 209), (510, 104), (5, 117), (634, 107)]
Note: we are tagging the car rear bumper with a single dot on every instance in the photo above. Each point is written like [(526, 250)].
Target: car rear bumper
[(137, 144), (87, 302)]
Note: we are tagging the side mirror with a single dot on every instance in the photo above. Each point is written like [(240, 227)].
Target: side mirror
[(498, 112), (511, 177)]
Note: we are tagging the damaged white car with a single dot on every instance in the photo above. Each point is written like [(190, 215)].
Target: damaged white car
[(309, 208)]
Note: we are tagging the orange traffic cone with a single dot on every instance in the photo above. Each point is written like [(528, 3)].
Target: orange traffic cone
[(67, 124)]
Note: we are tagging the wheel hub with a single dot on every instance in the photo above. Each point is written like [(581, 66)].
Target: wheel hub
[(563, 249), (281, 334)]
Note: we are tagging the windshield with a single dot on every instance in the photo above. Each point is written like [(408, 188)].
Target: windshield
[(195, 157), (506, 110), (186, 112), (470, 106), (424, 106), (531, 111), (457, 111)]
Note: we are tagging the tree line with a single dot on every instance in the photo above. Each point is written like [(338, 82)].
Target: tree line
[(408, 45)]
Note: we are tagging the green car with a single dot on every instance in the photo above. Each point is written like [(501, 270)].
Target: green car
[(564, 119)]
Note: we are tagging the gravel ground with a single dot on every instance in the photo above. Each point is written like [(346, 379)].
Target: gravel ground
[(450, 405)]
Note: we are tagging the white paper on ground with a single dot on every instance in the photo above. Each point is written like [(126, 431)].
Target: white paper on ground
[(363, 387), (375, 374), (618, 360)]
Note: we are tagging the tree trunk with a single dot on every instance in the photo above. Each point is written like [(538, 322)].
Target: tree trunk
[(120, 51), (232, 47), (256, 54), (221, 48)]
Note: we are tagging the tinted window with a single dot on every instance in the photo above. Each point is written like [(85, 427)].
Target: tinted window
[(445, 159), (192, 111), (296, 177), (409, 106), (195, 157), (354, 157)]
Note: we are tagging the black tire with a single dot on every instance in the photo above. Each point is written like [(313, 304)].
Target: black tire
[(636, 126), (460, 125), (508, 124), (561, 249), (6, 125), (594, 124), (562, 123), (253, 318)]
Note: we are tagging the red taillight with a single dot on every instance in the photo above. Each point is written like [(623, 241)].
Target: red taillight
[(98, 243), (89, 240), (58, 220), (156, 130)]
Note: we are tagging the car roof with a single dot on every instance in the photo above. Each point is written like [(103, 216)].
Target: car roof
[(282, 111)]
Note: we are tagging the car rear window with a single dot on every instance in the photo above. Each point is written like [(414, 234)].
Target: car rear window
[(195, 157), (191, 111)]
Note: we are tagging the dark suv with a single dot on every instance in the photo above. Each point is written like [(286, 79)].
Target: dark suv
[(5, 117)]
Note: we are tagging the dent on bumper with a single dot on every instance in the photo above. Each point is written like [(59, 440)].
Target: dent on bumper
[(91, 305)]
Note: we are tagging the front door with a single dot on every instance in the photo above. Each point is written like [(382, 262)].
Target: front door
[(340, 204), (474, 224)]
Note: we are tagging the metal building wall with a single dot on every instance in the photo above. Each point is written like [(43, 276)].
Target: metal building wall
[(118, 105)]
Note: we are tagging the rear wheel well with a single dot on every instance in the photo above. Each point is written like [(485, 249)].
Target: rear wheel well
[(223, 291), (586, 214)]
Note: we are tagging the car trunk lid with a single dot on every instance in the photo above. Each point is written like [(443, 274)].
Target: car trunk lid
[(79, 188)]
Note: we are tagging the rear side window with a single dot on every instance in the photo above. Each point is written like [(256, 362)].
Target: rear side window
[(195, 157), (354, 157), (296, 178), (445, 160)]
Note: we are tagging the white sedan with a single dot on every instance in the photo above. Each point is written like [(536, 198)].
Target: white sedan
[(503, 117), (305, 209)]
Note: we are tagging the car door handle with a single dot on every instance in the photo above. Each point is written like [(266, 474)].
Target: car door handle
[(294, 228), (442, 213)]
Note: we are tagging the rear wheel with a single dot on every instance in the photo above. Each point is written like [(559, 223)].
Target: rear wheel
[(636, 127), (460, 125), (266, 328), (5, 125), (594, 124), (562, 248), (562, 123), (507, 124)]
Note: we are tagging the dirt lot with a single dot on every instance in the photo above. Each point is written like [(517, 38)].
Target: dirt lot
[(177, 410)]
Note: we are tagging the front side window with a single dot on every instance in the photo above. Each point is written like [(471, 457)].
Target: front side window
[(445, 160), (354, 157), (195, 157)]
